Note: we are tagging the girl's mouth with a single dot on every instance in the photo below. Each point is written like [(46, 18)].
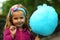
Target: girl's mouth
[(20, 24)]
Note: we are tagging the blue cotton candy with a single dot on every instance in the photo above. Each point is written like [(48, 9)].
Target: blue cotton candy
[(44, 20)]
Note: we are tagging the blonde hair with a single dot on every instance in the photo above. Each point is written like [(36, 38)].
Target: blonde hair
[(8, 20)]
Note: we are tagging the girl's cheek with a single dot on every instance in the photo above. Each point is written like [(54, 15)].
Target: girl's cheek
[(23, 20), (14, 22)]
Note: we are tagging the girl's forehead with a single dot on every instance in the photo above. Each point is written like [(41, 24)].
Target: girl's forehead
[(17, 14)]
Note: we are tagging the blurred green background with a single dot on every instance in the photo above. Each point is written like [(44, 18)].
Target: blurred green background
[(31, 7)]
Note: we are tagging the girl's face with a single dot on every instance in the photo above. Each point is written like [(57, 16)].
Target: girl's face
[(18, 18)]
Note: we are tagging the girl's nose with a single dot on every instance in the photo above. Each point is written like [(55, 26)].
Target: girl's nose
[(19, 20)]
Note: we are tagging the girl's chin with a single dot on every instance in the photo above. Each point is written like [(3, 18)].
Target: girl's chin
[(19, 26)]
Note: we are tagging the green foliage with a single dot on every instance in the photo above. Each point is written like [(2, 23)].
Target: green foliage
[(30, 5)]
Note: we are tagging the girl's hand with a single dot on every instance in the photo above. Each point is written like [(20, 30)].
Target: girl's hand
[(13, 30), (37, 38)]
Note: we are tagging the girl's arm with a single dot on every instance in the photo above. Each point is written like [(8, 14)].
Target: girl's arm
[(7, 35), (37, 38)]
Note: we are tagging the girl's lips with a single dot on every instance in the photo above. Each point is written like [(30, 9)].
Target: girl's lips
[(20, 24)]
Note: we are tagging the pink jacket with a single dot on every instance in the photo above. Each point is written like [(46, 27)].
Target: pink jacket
[(20, 35)]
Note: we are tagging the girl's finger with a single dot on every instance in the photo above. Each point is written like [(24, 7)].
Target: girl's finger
[(12, 28)]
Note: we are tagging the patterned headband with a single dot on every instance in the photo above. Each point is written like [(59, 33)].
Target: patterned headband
[(17, 8)]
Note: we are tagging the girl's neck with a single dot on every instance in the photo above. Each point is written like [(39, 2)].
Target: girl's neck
[(20, 28)]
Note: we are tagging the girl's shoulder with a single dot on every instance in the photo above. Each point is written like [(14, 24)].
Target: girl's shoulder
[(6, 30)]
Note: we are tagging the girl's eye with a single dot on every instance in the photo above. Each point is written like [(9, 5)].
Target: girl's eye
[(21, 17), (15, 18)]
